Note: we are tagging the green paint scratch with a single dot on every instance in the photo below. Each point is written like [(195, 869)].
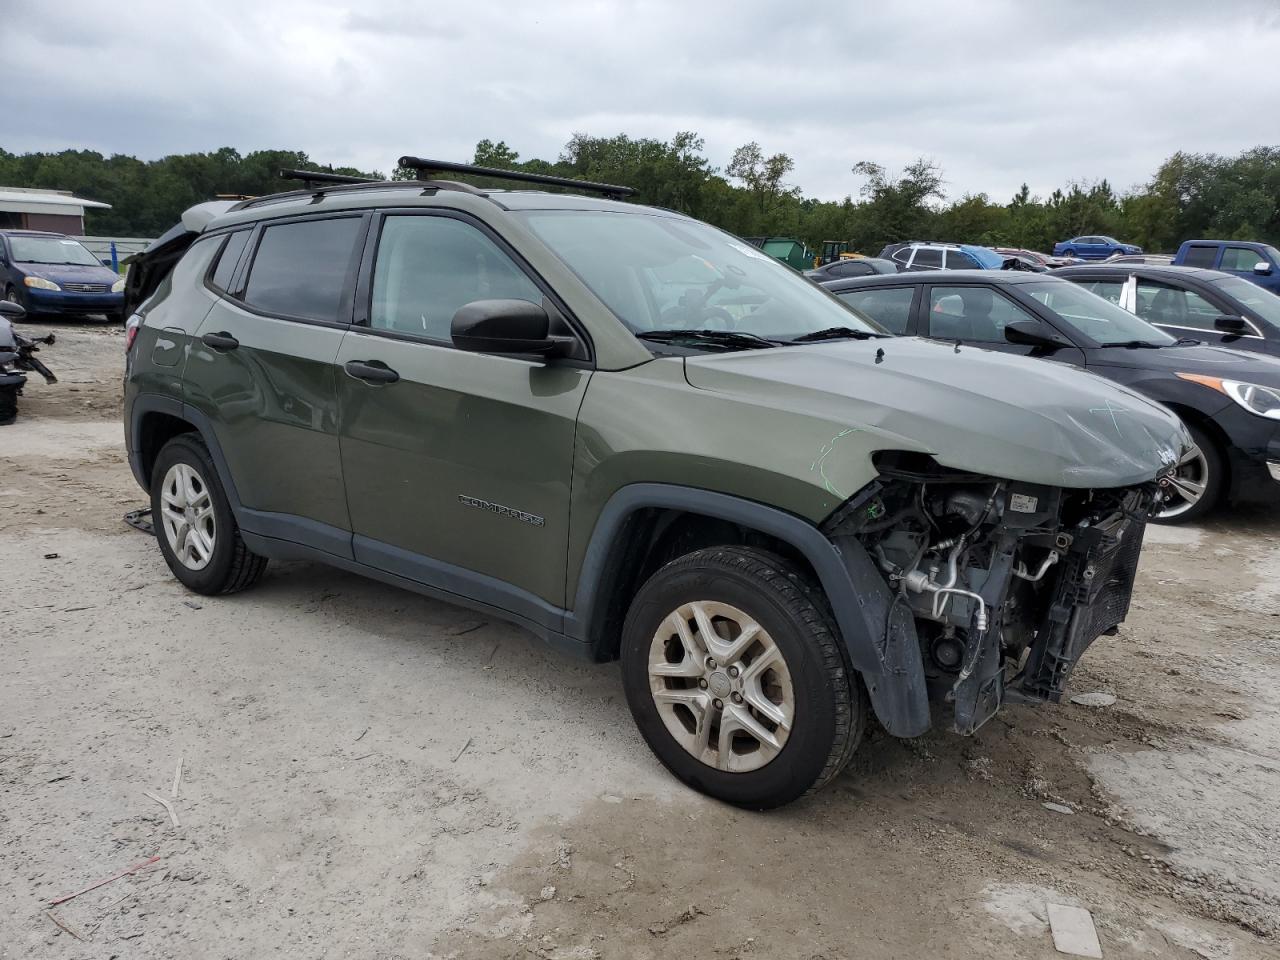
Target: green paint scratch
[(819, 465)]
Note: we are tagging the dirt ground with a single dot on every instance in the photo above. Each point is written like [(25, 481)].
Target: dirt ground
[(370, 774)]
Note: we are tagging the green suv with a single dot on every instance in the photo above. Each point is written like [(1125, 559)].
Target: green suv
[(637, 437)]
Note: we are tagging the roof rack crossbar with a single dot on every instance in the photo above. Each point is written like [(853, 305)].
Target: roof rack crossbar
[(611, 190), (309, 177)]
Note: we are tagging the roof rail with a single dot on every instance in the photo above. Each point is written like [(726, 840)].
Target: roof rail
[(610, 190), (308, 177)]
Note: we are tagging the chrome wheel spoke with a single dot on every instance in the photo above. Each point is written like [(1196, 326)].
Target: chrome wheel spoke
[(1189, 489), (1193, 454), (776, 713)]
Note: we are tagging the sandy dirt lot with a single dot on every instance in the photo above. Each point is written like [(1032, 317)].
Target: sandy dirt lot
[(370, 774)]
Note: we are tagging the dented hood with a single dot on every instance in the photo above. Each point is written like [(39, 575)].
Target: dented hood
[(975, 410)]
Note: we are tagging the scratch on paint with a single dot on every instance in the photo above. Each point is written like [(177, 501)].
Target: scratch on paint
[(819, 465), (1109, 409)]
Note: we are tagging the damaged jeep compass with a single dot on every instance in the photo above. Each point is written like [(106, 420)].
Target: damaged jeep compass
[(642, 439)]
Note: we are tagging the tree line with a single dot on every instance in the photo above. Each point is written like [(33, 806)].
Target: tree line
[(1189, 195)]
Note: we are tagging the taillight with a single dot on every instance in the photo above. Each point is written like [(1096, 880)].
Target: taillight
[(131, 331)]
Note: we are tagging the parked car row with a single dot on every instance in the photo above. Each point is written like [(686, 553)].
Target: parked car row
[(644, 439), (1196, 341)]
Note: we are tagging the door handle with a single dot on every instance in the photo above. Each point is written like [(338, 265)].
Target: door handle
[(370, 371), (220, 341)]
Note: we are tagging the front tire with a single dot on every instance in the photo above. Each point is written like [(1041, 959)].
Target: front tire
[(1196, 485), (194, 526), (734, 675)]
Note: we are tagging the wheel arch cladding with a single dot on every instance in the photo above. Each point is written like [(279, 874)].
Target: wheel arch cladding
[(171, 414), (887, 657)]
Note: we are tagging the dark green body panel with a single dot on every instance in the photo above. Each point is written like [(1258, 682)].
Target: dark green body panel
[(273, 403), (488, 428)]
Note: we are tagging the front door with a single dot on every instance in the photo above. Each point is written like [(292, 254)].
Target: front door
[(457, 470), (262, 371), (977, 315)]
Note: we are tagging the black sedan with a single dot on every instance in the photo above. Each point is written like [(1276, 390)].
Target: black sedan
[(1209, 305), (851, 267), (1229, 399)]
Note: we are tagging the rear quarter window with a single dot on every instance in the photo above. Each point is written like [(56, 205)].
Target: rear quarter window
[(1200, 256), (227, 260), (301, 268)]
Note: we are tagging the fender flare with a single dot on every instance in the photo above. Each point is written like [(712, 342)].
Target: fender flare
[(888, 659), (158, 403)]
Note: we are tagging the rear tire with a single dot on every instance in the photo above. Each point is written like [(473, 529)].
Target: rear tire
[(194, 526), (779, 715)]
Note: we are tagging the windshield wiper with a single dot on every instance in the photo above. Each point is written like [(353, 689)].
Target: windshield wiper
[(1136, 345), (722, 338), (837, 333)]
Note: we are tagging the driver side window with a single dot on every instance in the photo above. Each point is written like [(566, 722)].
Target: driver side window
[(428, 267), (973, 314)]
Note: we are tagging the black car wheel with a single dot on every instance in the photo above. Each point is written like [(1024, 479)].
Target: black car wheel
[(194, 526), (1195, 486), (734, 675)]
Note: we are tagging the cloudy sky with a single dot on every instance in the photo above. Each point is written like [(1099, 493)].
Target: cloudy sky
[(995, 92)]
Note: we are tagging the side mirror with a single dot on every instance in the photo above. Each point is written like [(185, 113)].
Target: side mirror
[(1028, 333), (504, 326), (1262, 267), (12, 311), (1230, 324)]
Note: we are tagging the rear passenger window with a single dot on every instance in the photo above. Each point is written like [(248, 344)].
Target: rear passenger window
[(1200, 256), (228, 259), (959, 260), (428, 267), (301, 268), (889, 307), (927, 257)]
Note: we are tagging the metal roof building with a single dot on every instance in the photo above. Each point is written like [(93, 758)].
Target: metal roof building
[(29, 208)]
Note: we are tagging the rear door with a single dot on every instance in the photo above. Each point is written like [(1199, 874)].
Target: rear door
[(458, 471), (891, 307), (263, 372)]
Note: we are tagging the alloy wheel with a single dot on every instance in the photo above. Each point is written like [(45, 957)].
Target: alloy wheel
[(1184, 486), (721, 686), (187, 516)]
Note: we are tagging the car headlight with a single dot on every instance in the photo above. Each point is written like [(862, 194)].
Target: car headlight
[(1257, 399), (40, 283), (118, 286)]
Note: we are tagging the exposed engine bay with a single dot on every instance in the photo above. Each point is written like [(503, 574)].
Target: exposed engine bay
[(1002, 584)]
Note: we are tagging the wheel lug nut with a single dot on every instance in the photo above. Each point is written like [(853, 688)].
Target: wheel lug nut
[(733, 671), (703, 683), (718, 703), (737, 697)]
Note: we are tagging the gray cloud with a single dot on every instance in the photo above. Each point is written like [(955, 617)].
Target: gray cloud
[(997, 94)]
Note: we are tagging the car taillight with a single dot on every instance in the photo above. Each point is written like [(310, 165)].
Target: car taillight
[(131, 331)]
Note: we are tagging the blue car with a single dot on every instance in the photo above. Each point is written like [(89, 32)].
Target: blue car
[(48, 273), (1092, 248)]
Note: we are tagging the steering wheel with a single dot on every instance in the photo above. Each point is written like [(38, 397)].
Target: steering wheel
[(693, 317)]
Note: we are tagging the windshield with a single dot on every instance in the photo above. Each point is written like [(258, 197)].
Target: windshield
[(1098, 319), (658, 273), (51, 250), (1262, 302)]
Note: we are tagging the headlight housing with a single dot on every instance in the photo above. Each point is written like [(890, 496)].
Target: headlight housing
[(118, 286), (1257, 399), (40, 283)]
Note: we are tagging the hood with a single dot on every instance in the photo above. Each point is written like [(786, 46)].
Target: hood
[(975, 410), (1207, 360), (70, 272)]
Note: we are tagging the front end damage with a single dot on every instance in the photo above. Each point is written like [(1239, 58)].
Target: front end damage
[(995, 587)]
